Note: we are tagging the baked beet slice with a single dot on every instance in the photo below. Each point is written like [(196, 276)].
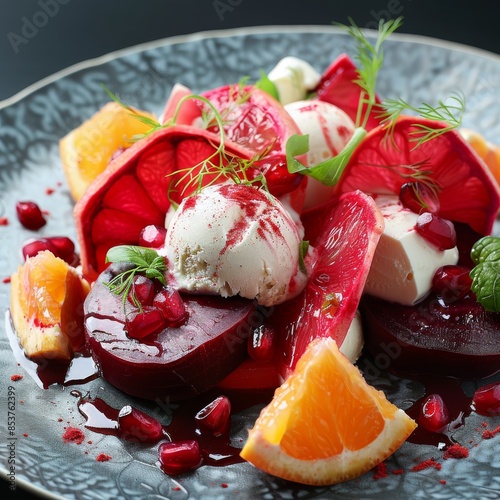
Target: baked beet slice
[(177, 363), (458, 339)]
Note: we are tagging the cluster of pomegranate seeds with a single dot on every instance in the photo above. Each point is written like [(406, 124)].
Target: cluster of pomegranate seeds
[(152, 236), (486, 400), (261, 344), (30, 215), (155, 310), (61, 246), (434, 414), (436, 230), (215, 417), (136, 425), (179, 457), (418, 197), (452, 282)]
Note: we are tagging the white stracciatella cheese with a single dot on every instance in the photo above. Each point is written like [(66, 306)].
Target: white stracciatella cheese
[(404, 262)]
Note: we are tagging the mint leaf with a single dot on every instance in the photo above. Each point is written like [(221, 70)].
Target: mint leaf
[(267, 86), (485, 275), (327, 172)]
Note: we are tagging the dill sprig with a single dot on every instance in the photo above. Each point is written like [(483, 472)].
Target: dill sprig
[(451, 113), (144, 261), (370, 59)]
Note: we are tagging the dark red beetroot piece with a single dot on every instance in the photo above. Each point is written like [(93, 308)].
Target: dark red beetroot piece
[(457, 339), (176, 363)]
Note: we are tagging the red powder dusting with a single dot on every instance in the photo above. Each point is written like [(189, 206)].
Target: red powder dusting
[(485, 424), (4, 221), (381, 471), (49, 191), (488, 434), (25, 434), (59, 419), (176, 488), (102, 457), (456, 451), (16, 377), (397, 472), (426, 464), (73, 435)]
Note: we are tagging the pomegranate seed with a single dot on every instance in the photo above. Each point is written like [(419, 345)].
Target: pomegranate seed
[(437, 231), (64, 248), (486, 400), (135, 425), (32, 247), (152, 236), (278, 179), (261, 343), (419, 197), (179, 456), (216, 416), (142, 291), (433, 414), (30, 215), (169, 301), (140, 324), (452, 282)]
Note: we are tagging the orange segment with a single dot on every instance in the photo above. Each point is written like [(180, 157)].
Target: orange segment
[(86, 151), (46, 306), (488, 152), (325, 424)]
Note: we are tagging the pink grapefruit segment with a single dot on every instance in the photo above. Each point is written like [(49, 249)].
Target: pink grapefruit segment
[(133, 191), (345, 244), (468, 192)]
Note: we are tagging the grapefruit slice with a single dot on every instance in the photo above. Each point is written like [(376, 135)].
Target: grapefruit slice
[(338, 86), (468, 192), (252, 119), (133, 191), (46, 300), (352, 225), (325, 424)]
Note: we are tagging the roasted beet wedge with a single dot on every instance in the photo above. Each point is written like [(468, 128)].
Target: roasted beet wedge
[(455, 339), (176, 363)]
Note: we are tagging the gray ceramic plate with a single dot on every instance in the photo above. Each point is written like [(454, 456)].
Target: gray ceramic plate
[(31, 124)]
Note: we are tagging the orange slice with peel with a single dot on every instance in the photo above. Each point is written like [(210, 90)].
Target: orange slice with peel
[(487, 151), (86, 151), (325, 424), (46, 303)]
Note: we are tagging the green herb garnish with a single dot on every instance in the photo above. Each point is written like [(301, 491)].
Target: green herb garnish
[(265, 84), (145, 261), (451, 113), (485, 275), (303, 248)]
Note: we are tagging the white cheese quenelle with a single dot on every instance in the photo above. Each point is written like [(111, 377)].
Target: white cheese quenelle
[(329, 129), (234, 239), (404, 262), (293, 78)]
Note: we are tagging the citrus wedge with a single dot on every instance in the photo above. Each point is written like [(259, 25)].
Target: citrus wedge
[(467, 190), (488, 152), (325, 424), (46, 303), (86, 151)]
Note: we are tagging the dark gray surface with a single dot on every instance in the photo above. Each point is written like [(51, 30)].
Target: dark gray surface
[(40, 37)]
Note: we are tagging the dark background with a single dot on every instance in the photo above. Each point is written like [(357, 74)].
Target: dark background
[(40, 37)]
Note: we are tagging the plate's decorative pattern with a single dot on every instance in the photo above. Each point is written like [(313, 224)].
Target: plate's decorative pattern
[(416, 69)]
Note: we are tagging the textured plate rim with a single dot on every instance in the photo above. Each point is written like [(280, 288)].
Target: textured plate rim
[(228, 33)]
